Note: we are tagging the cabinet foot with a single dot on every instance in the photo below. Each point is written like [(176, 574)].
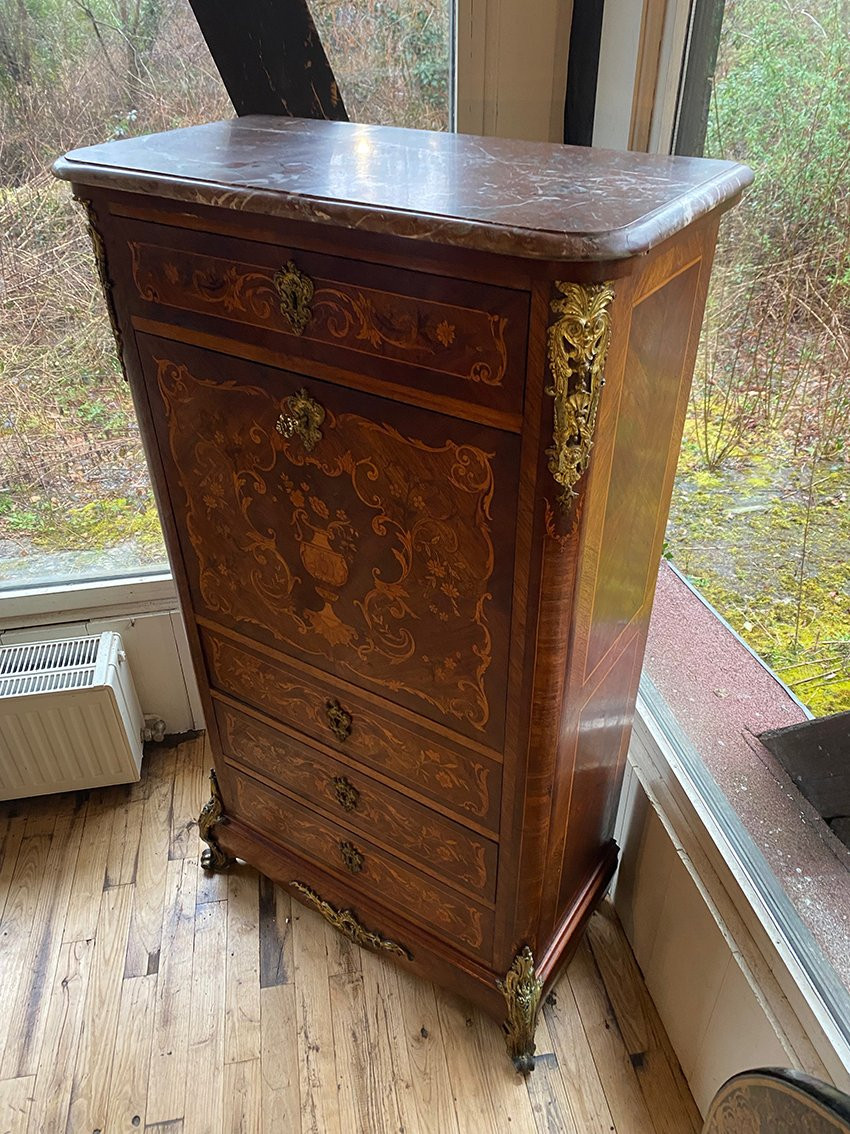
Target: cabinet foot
[(521, 990), (213, 858)]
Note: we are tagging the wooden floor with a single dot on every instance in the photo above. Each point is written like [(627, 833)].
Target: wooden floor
[(137, 993)]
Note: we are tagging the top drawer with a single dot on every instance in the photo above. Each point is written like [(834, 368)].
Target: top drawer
[(446, 336)]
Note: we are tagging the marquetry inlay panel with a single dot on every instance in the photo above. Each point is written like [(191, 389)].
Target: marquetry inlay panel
[(372, 553)]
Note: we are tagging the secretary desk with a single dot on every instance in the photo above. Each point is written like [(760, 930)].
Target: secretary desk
[(412, 405)]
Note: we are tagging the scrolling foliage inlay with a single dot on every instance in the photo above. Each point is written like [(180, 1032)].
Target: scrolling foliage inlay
[(462, 783), (465, 342), (372, 553), (577, 346)]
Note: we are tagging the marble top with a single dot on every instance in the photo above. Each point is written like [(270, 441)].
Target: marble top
[(528, 199)]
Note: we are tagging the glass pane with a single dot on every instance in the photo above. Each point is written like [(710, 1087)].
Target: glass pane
[(761, 514), (75, 499), (391, 58)]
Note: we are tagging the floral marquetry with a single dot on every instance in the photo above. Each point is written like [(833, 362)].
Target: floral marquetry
[(347, 541), (415, 543)]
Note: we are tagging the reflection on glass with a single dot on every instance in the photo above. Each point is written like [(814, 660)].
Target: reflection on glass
[(391, 58), (75, 498), (761, 514)]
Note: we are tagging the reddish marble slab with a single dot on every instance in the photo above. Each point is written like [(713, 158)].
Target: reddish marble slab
[(529, 199)]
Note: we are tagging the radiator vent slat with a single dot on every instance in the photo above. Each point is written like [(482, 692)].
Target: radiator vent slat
[(36, 657), (48, 667)]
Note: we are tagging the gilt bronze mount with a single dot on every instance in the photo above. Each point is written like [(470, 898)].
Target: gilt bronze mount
[(521, 989), (103, 273), (577, 347), (347, 795), (349, 926), (295, 291), (302, 417), (339, 720), (213, 858)]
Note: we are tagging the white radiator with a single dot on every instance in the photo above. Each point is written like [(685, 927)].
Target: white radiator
[(69, 716)]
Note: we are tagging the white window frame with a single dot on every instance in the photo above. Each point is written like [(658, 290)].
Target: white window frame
[(82, 601)]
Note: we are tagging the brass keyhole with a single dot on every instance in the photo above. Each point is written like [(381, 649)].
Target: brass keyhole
[(339, 720), (295, 290), (302, 418), (346, 793), (351, 856)]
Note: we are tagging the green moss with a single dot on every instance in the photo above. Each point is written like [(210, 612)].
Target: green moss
[(740, 536), (51, 526)]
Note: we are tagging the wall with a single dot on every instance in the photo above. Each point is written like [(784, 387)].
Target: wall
[(694, 973)]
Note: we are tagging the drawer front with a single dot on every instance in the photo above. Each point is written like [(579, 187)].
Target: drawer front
[(445, 912), (466, 783), (438, 844), (446, 336), (348, 530)]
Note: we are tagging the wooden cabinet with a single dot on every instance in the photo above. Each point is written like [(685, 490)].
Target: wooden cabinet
[(415, 540)]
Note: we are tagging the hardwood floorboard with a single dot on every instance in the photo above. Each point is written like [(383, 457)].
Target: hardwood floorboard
[(664, 1087), (279, 1057), (131, 1064), (96, 1049), (142, 994), (616, 1071), (205, 1065), (55, 1078), (170, 1044), (16, 1097), (27, 1014)]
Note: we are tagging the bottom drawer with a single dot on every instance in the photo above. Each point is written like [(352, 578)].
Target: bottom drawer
[(437, 845), (458, 920)]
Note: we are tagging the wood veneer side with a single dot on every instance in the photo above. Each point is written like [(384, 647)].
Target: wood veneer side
[(514, 925), (549, 560), (584, 801), (564, 743)]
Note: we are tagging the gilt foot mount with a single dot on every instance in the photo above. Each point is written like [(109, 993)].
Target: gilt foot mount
[(212, 813), (521, 989)]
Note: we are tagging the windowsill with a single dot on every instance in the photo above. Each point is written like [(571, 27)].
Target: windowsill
[(77, 602), (711, 696)]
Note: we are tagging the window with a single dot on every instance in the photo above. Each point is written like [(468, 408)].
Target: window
[(75, 498), (391, 58), (761, 516)]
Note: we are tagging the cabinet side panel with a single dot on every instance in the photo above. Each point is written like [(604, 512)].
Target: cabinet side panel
[(628, 498), (636, 503)]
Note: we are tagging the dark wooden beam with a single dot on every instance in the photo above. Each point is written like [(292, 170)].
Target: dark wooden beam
[(270, 57), (698, 77), (583, 71)]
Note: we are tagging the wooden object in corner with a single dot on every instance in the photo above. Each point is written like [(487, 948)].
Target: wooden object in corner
[(412, 404)]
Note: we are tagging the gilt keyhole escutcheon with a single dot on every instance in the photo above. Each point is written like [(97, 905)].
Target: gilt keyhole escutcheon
[(351, 856), (339, 720), (346, 793), (295, 291)]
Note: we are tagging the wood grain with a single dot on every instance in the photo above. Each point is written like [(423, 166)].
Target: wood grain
[(346, 1043)]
